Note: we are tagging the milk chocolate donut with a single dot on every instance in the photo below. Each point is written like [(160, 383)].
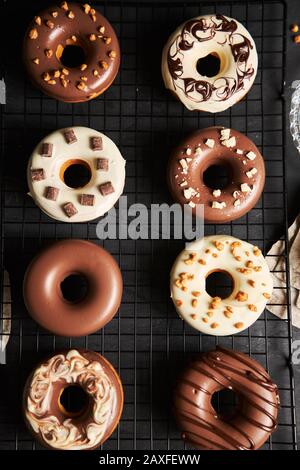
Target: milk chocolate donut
[(44, 298), (210, 36), (51, 423), (217, 146), (255, 417), (48, 41)]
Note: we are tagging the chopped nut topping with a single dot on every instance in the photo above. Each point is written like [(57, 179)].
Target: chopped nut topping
[(210, 143), (251, 155), (250, 264), (52, 82), (64, 82), (241, 296), (56, 73), (64, 6), (219, 245), (36, 61), (95, 73), (296, 38), (294, 28), (256, 251), (178, 303), (101, 29), (216, 192), (235, 245), (65, 71), (251, 282), (215, 255), (83, 67), (113, 55), (46, 76), (193, 316), (71, 15), (103, 64), (207, 250), (92, 37), (266, 295), (196, 293), (48, 53), (81, 86), (49, 24), (202, 261), (87, 8), (214, 325), (107, 40), (74, 38), (38, 20), (227, 314), (245, 188), (191, 259), (252, 307), (84, 78), (205, 319), (238, 258), (54, 14), (229, 142), (257, 269), (215, 302), (218, 205), (210, 313), (244, 270), (194, 303), (229, 308), (33, 34), (239, 325)]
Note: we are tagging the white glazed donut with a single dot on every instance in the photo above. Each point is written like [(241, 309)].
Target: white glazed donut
[(252, 284), (216, 35), (62, 149)]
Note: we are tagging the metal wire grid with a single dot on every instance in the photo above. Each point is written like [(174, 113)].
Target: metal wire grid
[(146, 341)]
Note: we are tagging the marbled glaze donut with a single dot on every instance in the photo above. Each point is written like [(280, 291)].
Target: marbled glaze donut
[(224, 147), (250, 275), (76, 147), (60, 429), (44, 298), (210, 35), (255, 417), (89, 34)]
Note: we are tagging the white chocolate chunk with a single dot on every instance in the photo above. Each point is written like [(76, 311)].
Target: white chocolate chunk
[(245, 188), (235, 194), (225, 134), (237, 202), (210, 143), (216, 192), (184, 183), (251, 172), (188, 193), (218, 205), (188, 160), (198, 151), (192, 204), (188, 151), (183, 163), (239, 151), (251, 155), (229, 142)]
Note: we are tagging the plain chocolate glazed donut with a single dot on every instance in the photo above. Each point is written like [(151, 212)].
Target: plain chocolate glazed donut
[(43, 295), (97, 52), (217, 146), (56, 427), (256, 413)]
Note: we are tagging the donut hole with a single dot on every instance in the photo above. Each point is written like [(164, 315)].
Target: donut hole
[(71, 56), (73, 401), (219, 284), (217, 176), (76, 173), (225, 403), (209, 66), (74, 288)]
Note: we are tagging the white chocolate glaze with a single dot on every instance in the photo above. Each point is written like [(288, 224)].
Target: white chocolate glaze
[(197, 38), (71, 368), (252, 284), (80, 150)]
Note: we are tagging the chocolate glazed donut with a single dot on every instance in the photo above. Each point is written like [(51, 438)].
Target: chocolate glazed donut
[(43, 295), (56, 427), (71, 52), (207, 148), (256, 413)]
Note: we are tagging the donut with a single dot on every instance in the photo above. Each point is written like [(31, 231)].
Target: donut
[(255, 416), (248, 271), (209, 63), (85, 311), (71, 52), (76, 174), (207, 150), (51, 422)]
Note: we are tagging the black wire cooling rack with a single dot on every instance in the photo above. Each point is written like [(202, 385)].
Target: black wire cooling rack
[(146, 341)]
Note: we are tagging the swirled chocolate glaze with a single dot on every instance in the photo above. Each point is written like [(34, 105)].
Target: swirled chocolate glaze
[(258, 402), (198, 37), (50, 422)]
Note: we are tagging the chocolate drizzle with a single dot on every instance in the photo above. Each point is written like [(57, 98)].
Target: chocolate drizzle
[(202, 30), (256, 415)]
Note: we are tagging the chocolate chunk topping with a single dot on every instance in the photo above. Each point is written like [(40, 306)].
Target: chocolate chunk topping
[(38, 175), (70, 209), (102, 164), (87, 199), (70, 136), (96, 143), (51, 193), (106, 188), (46, 149)]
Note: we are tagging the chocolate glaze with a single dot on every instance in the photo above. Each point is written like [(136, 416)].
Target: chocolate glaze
[(256, 415), (82, 420), (81, 26), (219, 154), (43, 297), (222, 88)]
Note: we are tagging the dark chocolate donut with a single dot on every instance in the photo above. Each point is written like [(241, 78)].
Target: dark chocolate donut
[(71, 52), (44, 298), (255, 417), (59, 428), (221, 147)]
